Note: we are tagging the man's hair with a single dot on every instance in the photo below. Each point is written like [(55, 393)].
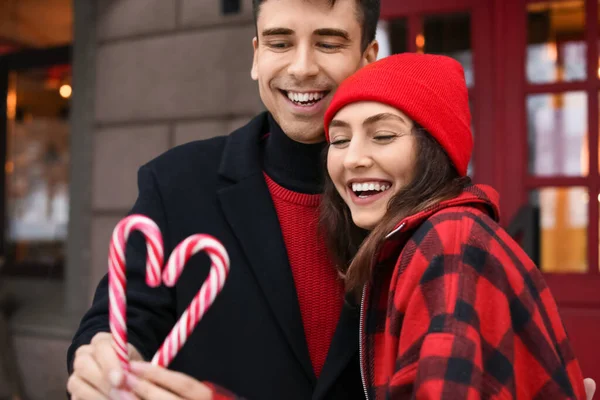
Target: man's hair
[(368, 15)]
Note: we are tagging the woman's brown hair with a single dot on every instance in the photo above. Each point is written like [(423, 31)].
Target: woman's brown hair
[(354, 249)]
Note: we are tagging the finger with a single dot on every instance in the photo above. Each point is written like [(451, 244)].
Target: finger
[(116, 394), (86, 349), (101, 336), (590, 388), (106, 357), (176, 382), (147, 390), (88, 370), (79, 389)]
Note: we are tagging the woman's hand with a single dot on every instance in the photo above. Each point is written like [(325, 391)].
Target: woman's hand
[(147, 382), (590, 388)]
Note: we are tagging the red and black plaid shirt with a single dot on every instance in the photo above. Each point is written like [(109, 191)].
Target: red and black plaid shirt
[(457, 310)]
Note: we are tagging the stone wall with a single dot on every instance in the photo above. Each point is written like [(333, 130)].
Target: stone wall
[(167, 72)]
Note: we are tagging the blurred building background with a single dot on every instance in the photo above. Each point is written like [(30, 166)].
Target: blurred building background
[(94, 88)]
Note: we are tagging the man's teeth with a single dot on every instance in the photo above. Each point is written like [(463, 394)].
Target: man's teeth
[(305, 97), (367, 186)]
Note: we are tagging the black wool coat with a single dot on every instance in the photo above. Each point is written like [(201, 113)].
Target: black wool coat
[(252, 340)]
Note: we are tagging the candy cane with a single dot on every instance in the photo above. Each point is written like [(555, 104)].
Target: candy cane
[(203, 299), (116, 275)]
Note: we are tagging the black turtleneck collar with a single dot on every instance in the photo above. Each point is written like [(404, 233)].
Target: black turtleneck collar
[(293, 165)]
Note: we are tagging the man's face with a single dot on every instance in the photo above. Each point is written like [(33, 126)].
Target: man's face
[(304, 50)]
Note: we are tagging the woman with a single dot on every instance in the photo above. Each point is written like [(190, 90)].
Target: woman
[(451, 306), (400, 152)]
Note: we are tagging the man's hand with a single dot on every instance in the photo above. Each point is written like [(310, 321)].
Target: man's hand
[(96, 369), (590, 388), (151, 382)]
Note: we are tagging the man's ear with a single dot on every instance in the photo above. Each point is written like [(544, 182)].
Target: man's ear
[(254, 70), (370, 53)]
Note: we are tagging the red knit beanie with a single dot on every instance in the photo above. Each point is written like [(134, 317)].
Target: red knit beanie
[(430, 89)]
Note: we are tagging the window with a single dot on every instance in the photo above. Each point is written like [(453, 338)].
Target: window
[(556, 47), (392, 36), (36, 158), (230, 7), (559, 95)]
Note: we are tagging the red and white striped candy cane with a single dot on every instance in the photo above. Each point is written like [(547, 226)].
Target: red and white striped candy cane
[(203, 299), (116, 275)]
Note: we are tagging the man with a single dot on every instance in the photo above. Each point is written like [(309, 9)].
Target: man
[(280, 329)]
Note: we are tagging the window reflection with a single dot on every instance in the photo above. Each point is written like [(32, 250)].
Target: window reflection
[(37, 162), (556, 49), (563, 223), (557, 129)]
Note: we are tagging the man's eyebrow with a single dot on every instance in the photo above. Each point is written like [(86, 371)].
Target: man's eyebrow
[(277, 31), (333, 32)]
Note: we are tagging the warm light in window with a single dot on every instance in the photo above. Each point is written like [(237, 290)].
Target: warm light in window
[(11, 98), (65, 91), (11, 104), (420, 41), (585, 197), (552, 51), (10, 167)]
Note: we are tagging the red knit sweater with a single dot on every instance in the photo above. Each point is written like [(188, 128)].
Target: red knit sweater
[(320, 291)]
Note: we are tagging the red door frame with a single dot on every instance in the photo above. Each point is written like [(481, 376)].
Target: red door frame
[(499, 40)]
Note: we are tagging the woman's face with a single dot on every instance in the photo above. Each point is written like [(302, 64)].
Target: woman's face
[(370, 158)]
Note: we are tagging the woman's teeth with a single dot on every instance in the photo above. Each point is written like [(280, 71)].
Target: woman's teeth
[(305, 99), (370, 186), (366, 189)]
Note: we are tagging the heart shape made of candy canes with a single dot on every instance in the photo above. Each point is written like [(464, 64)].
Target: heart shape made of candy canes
[(181, 254)]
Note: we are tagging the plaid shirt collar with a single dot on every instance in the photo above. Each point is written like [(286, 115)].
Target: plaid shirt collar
[(479, 196)]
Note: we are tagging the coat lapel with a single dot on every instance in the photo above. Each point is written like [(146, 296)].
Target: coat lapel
[(248, 208)]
